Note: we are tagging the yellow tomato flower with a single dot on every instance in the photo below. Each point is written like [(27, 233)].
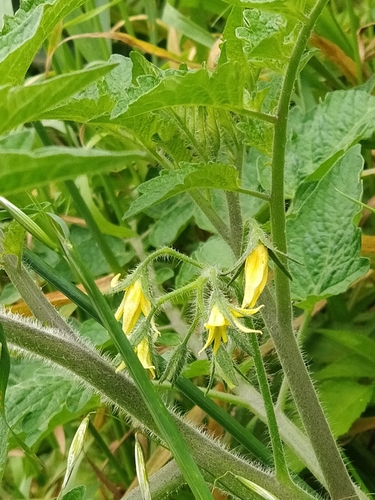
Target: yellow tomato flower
[(132, 305), (217, 329), (217, 325), (143, 352), (256, 272)]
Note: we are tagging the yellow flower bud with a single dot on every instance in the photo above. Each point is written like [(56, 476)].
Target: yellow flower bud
[(256, 272), (132, 305)]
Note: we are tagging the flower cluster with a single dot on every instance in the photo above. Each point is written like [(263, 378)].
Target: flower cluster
[(133, 304), (256, 271)]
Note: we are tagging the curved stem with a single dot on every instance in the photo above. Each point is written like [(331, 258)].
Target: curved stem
[(84, 362), (337, 478)]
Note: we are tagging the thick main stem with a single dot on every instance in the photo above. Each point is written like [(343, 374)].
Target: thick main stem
[(337, 478), (84, 362)]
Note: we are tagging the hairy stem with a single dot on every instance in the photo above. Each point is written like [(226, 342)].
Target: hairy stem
[(235, 220), (37, 302), (337, 478), (84, 362), (277, 446)]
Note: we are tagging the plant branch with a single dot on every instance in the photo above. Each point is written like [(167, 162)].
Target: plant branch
[(36, 301), (336, 476), (84, 362), (214, 218), (278, 451), (235, 220)]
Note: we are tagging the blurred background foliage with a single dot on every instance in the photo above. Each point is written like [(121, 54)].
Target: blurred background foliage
[(45, 409)]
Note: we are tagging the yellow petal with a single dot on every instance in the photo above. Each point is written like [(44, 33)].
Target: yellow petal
[(243, 328), (115, 280), (216, 318), (240, 312), (256, 271), (121, 367), (143, 353), (131, 306)]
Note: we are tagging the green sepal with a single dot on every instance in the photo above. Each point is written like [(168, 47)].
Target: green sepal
[(224, 364), (176, 364)]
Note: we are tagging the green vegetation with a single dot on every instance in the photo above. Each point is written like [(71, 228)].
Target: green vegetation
[(186, 295)]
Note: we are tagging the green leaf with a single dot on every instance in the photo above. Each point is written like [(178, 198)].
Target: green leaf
[(23, 35), (77, 493), (343, 401), (100, 97), (13, 239), (322, 235), (83, 240), (175, 217), (258, 134), (173, 182), (187, 27), (348, 367), (22, 140), (9, 295), (22, 170), (318, 138), (23, 104), (222, 89), (268, 39), (40, 398), (197, 368), (359, 344), (95, 333)]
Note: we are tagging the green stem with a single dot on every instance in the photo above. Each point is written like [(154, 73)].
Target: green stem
[(284, 386), (112, 198), (155, 406), (255, 194), (184, 290), (84, 211), (337, 478), (235, 220), (214, 218), (86, 363), (353, 29), (172, 253), (281, 467)]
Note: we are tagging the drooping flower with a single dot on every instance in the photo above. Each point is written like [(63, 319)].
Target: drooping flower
[(218, 323), (133, 304), (256, 272), (217, 326)]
